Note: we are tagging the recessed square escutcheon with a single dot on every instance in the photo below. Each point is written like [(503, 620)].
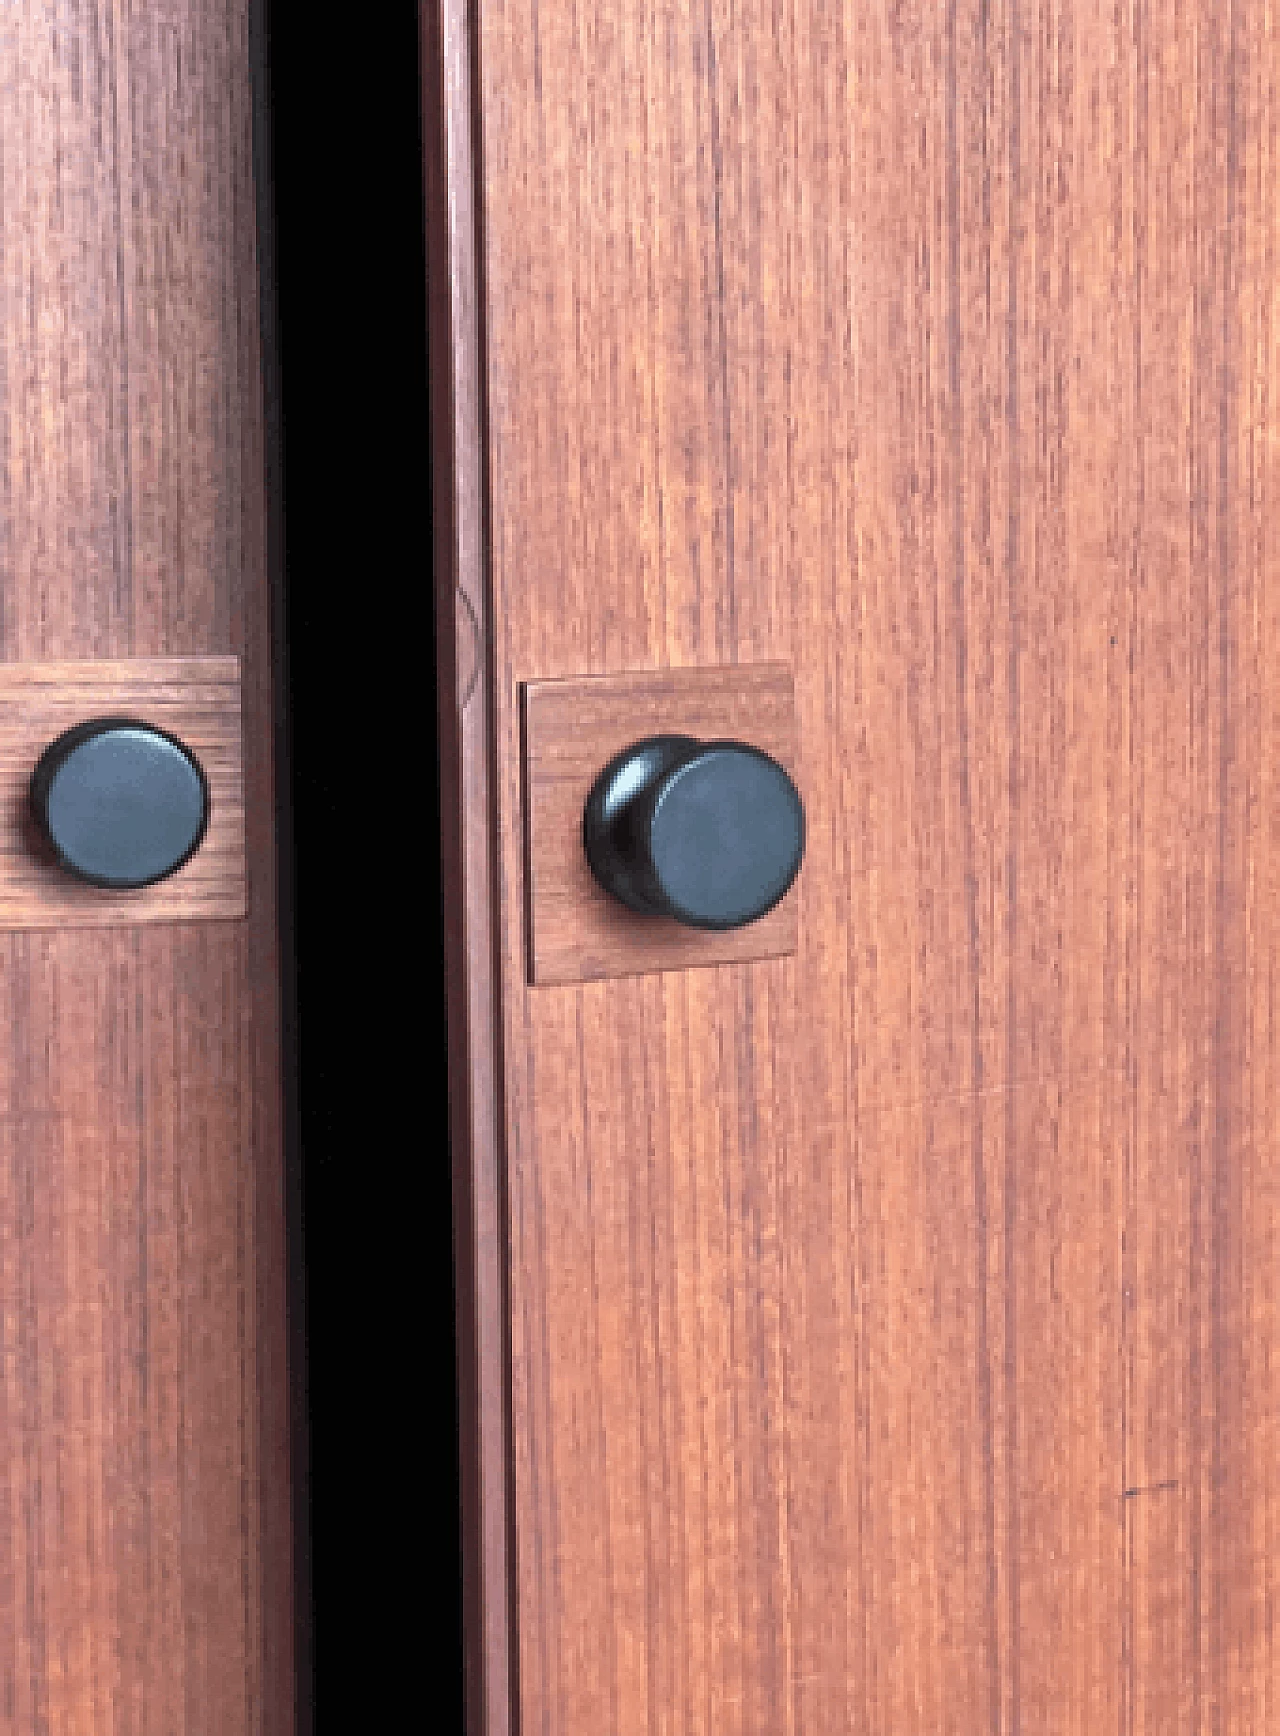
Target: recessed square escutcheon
[(195, 699), (572, 728)]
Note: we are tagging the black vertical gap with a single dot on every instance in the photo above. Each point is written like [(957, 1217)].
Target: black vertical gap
[(338, 141), (261, 71)]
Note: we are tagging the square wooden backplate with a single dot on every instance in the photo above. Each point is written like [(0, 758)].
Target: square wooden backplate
[(572, 728), (196, 699)]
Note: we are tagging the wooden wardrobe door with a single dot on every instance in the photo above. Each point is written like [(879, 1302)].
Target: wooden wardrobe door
[(881, 1337), (145, 1574)]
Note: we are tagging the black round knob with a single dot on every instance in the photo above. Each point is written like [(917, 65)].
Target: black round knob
[(710, 833), (122, 804)]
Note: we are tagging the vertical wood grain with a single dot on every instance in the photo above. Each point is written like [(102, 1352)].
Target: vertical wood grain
[(892, 1326), (473, 935), (145, 1460)]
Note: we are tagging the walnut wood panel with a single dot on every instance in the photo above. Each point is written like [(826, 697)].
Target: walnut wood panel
[(572, 729), (469, 905), (892, 1327), (195, 699), (144, 1498)]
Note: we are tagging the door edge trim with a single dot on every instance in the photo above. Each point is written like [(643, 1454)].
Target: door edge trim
[(469, 846)]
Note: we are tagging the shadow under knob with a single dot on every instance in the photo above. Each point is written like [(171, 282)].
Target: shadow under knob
[(709, 833), (121, 803)]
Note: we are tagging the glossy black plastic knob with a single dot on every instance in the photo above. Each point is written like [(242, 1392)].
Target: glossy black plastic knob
[(121, 803), (710, 833)]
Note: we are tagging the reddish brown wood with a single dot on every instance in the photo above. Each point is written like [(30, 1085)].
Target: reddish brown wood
[(196, 699), (577, 933), (893, 1326), (473, 937), (144, 1493)]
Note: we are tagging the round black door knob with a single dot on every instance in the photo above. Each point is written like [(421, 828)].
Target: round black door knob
[(710, 833), (122, 804)]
